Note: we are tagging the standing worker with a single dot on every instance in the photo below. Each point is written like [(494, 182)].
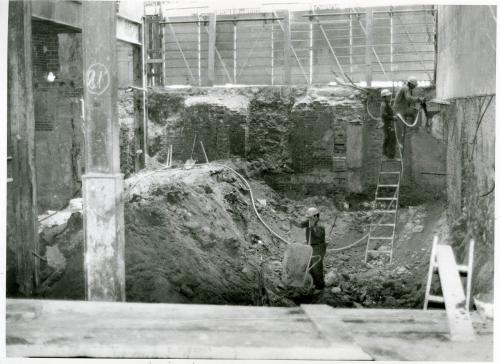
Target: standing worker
[(315, 235), (387, 115), (405, 102)]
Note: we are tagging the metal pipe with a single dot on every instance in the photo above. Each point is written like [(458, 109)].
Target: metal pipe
[(220, 21)]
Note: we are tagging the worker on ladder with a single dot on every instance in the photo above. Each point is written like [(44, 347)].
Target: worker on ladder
[(387, 115), (315, 235), (405, 102)]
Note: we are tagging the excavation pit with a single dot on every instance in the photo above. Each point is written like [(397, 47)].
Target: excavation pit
[(192, 237)]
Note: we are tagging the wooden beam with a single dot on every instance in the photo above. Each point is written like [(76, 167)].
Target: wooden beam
[(139, 159), (104, 239), (368, 47), (22, 125), (287, 47), (311, 50), (211, 48), (144, 35), (458, 317)]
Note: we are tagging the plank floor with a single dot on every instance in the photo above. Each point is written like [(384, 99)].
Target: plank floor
[(43, 328)]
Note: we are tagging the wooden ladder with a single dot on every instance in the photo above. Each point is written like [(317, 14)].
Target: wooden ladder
[(385, 210), (456, 302)]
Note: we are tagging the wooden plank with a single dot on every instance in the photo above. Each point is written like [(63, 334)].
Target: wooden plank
[(104, 329), (333, 330), (287, 47), (368, 46), (139, 158), (211, 49), (22, 125), (460, 324)]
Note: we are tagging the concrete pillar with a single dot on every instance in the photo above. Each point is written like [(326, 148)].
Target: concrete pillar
[(103, 183)]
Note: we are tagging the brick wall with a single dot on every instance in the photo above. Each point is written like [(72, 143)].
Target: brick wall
[(278, 132), (299, 130), (58, 133), (423, 154)]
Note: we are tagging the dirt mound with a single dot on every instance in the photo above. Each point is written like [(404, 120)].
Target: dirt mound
[(192, 236)]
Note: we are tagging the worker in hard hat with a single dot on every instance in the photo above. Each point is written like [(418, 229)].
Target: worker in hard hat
[(315, 235), (387, 115), (405, 102)]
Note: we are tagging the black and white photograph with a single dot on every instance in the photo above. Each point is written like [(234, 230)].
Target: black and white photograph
[(248, 181)]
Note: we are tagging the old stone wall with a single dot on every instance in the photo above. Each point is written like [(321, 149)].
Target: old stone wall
[(466, 77), (471, 183), (296, 138), (424, 175), (305, 141)]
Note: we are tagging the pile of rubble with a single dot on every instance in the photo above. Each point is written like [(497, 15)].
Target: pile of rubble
[(192, 236)]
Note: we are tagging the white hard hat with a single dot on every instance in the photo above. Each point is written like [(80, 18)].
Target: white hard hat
[(412, 80), (385, 92), (312, 211)]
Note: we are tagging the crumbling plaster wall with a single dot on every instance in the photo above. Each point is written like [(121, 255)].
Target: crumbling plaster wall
[(466, 66), (307, 141), (424, 175)]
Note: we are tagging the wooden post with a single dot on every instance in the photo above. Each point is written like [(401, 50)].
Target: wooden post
[(104, 239), (145, 81), (139, 159), (311, 45), (368, 46), (22, 126), (211, 48), (272, 53), (235, 30), (287, 47), (350, 44)]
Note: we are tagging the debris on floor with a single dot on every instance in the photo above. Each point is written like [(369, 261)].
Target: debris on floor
[(192, 236)]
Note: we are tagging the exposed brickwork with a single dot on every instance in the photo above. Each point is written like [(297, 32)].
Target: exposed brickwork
[(57, 115)]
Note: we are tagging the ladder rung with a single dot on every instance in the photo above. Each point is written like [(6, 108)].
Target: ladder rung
[(380, 251), (383, 224), (10, 180), (387, 185), (386, 198), (380, 237), (384, 211), (386, 172), (391, 160), (9, 158), (435, 298), (463, 268)]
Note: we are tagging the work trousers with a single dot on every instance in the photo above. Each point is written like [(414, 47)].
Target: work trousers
[(389, 148), (317, 272)]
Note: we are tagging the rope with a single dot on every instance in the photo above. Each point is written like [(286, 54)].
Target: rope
[(253, 201), (350, 245)]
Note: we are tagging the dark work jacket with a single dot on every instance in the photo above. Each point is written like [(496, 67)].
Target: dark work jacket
[(317, 233), (386, 113), (404, 100)]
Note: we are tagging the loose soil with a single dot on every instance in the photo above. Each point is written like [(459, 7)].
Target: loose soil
[(193, 237)]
